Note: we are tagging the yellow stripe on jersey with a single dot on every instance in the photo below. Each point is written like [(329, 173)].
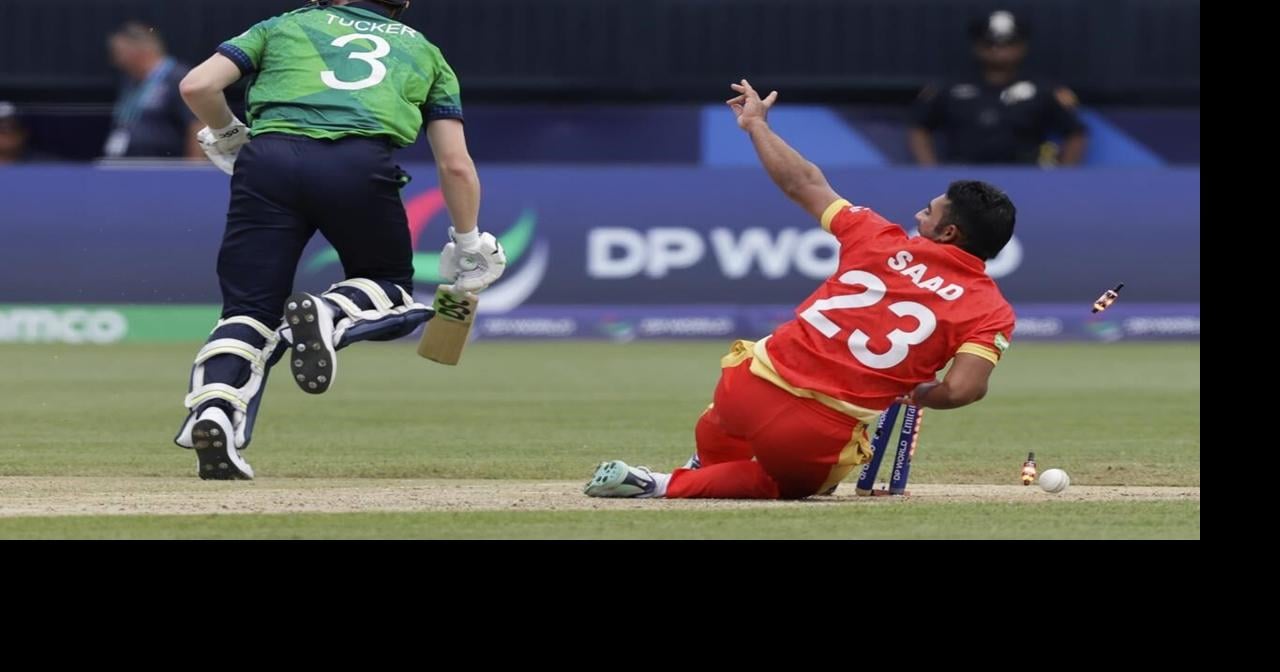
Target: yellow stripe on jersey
[(762, 367), (831, 212), (981, 351)]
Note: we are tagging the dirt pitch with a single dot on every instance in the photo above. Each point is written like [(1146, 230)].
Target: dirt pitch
[(92, 496)]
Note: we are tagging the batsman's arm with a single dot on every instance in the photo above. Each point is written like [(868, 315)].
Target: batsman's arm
[(797, 177), (471, 260), (965, 383), (203, 88), (458, 178)]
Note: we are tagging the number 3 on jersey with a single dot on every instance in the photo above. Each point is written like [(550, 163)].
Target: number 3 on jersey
[(901, 340), (381, 49)]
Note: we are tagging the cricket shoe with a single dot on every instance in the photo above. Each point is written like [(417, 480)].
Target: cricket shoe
[(312, 359), (216, 456), (693, 462), (616, 479)]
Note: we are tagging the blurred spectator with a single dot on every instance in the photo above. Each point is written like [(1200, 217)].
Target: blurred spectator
[(13, 139), (150, 119), (998, 117)]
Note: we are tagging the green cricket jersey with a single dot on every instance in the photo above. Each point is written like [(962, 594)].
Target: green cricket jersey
[(332, 72)]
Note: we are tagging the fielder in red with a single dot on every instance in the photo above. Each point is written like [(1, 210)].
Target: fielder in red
[(791, 412)]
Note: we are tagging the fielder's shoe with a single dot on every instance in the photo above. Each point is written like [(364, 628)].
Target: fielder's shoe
[(312, 359), (216, 456), (616, 479), (694, 462)]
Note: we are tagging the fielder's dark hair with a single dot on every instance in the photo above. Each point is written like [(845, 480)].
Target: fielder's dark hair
[(983, 214)]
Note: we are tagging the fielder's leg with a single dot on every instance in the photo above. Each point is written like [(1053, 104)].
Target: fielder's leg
[(728, 467), (811, 448), (800, 447), (618, 479), (714, 444), (723, 466)]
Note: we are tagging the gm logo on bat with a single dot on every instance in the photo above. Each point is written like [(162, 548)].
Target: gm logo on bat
[(451, 307)]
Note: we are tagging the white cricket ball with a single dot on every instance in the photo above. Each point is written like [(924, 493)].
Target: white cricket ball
[(1054, 480), (467, 264)]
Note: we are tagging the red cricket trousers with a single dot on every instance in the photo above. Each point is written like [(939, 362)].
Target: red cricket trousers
[(758, 441)]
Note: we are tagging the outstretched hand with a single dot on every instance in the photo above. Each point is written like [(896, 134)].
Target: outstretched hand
[(748, 106)]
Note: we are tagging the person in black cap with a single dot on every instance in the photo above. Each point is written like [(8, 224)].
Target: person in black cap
[(998, 116)]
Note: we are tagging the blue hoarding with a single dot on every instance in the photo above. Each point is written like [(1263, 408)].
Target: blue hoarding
[(601, 238), (610, 235)]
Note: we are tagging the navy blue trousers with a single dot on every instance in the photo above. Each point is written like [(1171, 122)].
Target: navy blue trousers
[(286, 188)]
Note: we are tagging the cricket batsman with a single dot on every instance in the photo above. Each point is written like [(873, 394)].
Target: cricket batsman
[(336, 87), (791, 412)]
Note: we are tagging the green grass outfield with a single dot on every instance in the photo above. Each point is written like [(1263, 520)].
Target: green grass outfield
[(1123, 414)]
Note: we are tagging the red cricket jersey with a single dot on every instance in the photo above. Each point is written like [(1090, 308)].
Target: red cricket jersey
[(892, 315)]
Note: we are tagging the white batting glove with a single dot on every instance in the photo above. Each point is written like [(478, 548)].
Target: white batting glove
[(472, 261), (223, 145)]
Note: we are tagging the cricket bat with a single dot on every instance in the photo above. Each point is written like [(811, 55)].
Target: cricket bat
[(446, 334)]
